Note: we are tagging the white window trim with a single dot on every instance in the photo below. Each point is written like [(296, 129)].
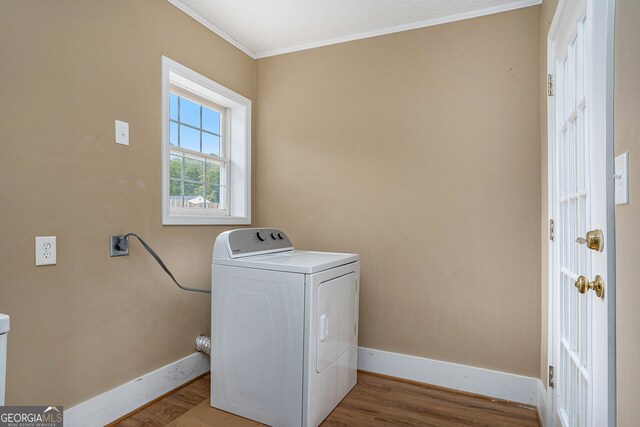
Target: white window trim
[(239, 128)]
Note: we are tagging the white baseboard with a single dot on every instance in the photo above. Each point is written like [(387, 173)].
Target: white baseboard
[(113, 404), (501, 385)]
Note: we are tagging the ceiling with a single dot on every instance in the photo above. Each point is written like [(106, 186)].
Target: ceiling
[(262, 28)]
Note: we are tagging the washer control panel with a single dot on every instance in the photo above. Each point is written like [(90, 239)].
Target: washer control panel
[(250, 241)]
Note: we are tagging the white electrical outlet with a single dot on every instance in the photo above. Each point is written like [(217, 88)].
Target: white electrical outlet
[(45, 250)]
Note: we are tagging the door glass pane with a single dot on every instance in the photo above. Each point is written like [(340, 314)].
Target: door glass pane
[(573, 221)]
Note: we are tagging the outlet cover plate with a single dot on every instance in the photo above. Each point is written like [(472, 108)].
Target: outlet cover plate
[(46, 250), (112, 247)]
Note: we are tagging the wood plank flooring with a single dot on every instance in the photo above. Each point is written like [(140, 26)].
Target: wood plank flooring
[(384, 401), (169, 408), (375, 401)]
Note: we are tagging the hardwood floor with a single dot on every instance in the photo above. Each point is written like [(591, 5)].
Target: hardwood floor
[(170, 407), (375, 401), (384, 401)]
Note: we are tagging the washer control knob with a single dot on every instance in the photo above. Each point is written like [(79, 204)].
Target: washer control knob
[(259, 236), (280, 236), (273, 236)]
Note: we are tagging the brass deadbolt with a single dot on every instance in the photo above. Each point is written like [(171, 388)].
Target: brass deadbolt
[(594, 240)]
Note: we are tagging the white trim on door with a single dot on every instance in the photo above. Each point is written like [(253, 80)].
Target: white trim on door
[(606, 9)]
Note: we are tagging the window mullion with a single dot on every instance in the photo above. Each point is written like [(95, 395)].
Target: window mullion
[(195, 127), (196, 154), (204, 178), (182, 180)]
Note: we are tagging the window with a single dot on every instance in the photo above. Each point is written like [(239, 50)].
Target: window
[(206, 150), (198, 159)]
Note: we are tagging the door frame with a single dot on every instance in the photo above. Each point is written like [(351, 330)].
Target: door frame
[(607, 49)]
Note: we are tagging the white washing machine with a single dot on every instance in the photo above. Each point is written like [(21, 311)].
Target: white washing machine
[(284, 328)]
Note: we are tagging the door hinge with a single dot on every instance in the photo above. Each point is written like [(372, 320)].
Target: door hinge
[(552, 230), (549, 84), (551, 383)]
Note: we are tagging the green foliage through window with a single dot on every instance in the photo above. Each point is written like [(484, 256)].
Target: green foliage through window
[(194, 183)]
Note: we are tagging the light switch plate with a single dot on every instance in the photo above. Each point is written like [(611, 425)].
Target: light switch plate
[(622, 179), (122, 132), (46, 250)]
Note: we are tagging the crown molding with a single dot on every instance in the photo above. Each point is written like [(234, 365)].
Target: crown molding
[(358, 36)]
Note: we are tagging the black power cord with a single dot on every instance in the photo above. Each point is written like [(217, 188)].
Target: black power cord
[(123, 243)]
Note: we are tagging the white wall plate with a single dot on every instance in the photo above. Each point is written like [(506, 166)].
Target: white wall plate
[(122, 132), (622, 179)]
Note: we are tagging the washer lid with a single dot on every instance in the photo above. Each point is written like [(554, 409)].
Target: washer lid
[(293, 261), (4, 323)]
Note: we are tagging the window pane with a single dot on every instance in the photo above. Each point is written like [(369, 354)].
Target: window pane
[(189, 112), (193, 195), (210, 120), (193, 170), (213, 196), (213, 173), (189, 138), (175, 193), (175, 166), (173, 134), (173, 107), (210, 144)]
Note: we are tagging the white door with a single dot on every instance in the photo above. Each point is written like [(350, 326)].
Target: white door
[(331, 346), (581, 174), (337, 319)]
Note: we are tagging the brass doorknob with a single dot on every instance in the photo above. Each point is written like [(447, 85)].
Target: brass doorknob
[(583, 285), (594, 240)]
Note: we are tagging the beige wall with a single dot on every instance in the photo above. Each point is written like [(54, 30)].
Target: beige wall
[(420, 151), (627, 138), (68, 70)]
